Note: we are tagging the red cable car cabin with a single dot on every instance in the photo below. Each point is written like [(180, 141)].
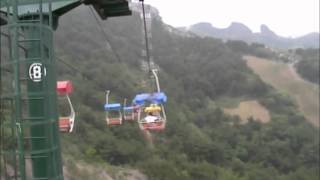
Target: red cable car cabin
[(66, 124)]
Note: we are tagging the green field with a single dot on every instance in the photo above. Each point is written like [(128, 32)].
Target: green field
[(284, 78)]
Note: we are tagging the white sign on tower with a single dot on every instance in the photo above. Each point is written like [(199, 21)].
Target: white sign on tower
[(37, 72)]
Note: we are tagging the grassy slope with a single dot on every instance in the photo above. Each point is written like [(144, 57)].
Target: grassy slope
[(247, 109), (282, 77)]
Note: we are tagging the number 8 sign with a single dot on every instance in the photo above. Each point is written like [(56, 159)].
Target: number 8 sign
[(37, 72)]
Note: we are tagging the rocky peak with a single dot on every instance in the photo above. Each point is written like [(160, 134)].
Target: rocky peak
[(239, 27), (265, 31)]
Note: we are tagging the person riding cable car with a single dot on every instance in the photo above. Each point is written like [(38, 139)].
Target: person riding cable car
[(66, 123), (153, 120), (153, 113), (113, 112), (154, 117)]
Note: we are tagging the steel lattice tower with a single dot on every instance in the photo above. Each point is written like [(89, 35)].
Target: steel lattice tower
[(30, 140)]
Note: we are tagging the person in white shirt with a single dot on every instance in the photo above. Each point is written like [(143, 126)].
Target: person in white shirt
[(150, 119)]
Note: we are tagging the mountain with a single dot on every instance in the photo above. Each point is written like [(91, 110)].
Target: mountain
[(195, 72), (239, 31), (200, 141), (234, 31), (309, 40)]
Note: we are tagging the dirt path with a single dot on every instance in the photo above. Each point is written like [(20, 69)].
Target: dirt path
[(284, 78)]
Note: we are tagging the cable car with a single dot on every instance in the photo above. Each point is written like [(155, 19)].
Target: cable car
[(136, 111), (66, 123), (153, 117), (130, 113), (113, 112), (153, 120)]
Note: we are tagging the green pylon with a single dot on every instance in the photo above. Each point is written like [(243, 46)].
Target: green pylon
[(34, 119)]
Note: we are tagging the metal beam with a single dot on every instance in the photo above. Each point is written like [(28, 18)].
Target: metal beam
[(29, 8)]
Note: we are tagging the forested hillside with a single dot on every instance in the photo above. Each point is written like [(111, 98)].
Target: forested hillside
[(308, 67), (200, 142)]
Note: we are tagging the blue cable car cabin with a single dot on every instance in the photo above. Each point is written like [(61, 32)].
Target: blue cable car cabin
[(113, 114), (153, 116), (130, 113)]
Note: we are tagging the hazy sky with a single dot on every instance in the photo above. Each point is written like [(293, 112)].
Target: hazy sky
[(285, 17)]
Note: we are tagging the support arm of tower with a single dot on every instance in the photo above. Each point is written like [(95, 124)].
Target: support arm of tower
[(105, 8)]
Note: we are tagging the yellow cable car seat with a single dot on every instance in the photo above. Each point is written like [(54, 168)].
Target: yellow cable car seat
[(152, 108)]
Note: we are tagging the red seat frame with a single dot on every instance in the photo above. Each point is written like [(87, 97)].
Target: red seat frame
[(64, 124), (129, 118), (154, 126), (114, 121)]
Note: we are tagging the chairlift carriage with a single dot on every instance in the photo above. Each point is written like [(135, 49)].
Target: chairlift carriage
[(153, 116), (153, 120), (113, 112), (66, 123), (130, 113)]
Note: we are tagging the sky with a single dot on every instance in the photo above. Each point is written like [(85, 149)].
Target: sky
[(289, 18)]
